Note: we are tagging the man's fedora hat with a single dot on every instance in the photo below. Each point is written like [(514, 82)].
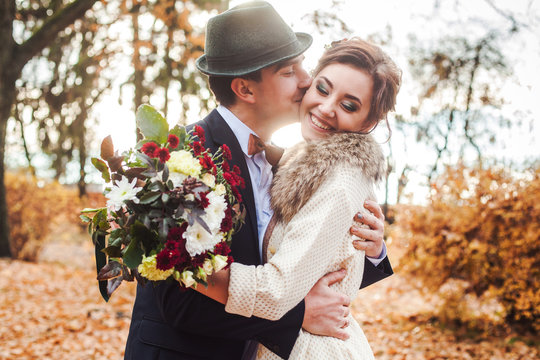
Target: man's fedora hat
[(247, 38)]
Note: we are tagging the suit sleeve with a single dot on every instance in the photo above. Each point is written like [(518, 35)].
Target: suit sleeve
[(189, 311), (373, 274)]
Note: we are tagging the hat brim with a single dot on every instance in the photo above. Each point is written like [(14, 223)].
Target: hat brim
[(304, 42)]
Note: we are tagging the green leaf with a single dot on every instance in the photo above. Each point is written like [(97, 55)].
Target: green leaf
[(152, 124), (113, 251), (133, 254), (85, 218), (107, 148), (179, 131), (143, 235), (149, 197), (103, 168)]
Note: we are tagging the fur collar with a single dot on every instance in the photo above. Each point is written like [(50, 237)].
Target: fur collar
[(305, 166)]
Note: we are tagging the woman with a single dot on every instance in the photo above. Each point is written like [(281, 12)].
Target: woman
[(316, 191)]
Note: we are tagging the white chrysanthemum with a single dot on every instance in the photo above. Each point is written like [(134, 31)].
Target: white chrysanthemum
[(121, 192), (198, 240), (183, 162), (215, 212), (220, 189)]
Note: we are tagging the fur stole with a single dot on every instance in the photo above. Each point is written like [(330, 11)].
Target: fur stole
[(305, 166)]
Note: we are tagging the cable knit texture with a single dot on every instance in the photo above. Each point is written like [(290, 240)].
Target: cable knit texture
[(316, 192)]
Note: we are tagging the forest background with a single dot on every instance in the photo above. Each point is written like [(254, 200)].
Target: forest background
[(461, 195)]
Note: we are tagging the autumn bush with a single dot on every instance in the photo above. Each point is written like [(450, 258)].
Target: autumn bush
[(478, 238), (35, 206)]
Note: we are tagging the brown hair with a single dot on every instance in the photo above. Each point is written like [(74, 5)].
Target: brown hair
[(371, 59), (221, 86)]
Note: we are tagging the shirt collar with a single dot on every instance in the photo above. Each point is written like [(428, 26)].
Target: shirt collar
[(240, 130)]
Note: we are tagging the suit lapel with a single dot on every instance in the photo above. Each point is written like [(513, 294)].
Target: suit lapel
[(221, 133)]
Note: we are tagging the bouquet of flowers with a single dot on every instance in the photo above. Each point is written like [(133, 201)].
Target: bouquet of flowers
[(171, 211)]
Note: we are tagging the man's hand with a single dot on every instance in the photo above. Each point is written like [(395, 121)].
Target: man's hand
[(327, 310), (373, 244)]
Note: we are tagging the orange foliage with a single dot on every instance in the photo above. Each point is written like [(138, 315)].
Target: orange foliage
[(34, 206), (481, 230)]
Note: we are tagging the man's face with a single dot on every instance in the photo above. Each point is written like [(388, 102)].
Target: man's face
[(280, 91)]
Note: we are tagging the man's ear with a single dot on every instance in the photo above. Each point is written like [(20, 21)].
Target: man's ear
[(242, 89)]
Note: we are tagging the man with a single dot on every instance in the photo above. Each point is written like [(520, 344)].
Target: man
[(254, 63)]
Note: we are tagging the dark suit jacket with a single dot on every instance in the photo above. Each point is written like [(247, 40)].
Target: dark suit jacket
[(170, 323)]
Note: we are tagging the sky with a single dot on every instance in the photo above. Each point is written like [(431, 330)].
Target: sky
[(404, 17)]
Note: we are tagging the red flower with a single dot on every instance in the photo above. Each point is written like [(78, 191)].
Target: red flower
[(236, 194), (150, 149), (197, 147), (226, 152), (199, 131), (163, 155), (236, 169), (230, 260), (229, 178), (206, 162), (176, 233), (198, 260), (173, 141), (225, 166)]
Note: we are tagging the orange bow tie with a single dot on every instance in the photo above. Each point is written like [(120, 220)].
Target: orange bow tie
[(273, 153)]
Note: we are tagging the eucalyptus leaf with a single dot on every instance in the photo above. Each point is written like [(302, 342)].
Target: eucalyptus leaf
[(152, 124)]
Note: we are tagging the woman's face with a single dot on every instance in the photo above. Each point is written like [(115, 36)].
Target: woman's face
[(338, 101)]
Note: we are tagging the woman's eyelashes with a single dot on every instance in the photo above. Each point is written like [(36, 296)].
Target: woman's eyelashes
[(347, 105)]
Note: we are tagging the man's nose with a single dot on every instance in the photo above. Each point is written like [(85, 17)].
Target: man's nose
[(305, 79)]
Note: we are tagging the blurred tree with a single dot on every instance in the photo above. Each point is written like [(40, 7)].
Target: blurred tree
[(165, 44), (38, 33), (460, 81)]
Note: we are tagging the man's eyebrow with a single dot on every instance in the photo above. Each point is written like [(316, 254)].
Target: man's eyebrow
[(348, 96), (289, 62)]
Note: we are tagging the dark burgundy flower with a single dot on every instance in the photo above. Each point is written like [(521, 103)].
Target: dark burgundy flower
[(226, 223), (230, 178), (236, 169), (236, 194), (173, 141), (197, 147), (203, 200), (226, 152), (198, 260), (163, 155), (175, 233), (167, 259), (222, 249), (150, 149), (230, 260)]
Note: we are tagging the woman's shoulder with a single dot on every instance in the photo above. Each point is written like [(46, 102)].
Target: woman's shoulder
[(308, 165)]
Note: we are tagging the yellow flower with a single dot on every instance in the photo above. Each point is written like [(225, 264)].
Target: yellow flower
[(149, 270), (183, 162)]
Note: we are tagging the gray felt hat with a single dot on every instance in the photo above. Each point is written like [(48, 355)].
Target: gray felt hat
[(247, 38)]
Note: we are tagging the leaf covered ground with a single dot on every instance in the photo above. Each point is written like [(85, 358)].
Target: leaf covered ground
[(52, 310)]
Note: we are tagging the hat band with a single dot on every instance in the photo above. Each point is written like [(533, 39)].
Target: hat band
[(240, 60)]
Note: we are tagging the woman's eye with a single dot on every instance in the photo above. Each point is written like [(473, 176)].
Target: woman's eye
[(350, 107), (322, 89)]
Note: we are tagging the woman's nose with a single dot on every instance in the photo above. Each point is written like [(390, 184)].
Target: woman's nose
[(327, 108)]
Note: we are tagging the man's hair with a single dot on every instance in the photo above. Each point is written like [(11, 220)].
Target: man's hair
[(375, 62), (221, 86)]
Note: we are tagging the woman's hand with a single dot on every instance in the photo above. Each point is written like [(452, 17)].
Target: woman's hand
[(372, 238)]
